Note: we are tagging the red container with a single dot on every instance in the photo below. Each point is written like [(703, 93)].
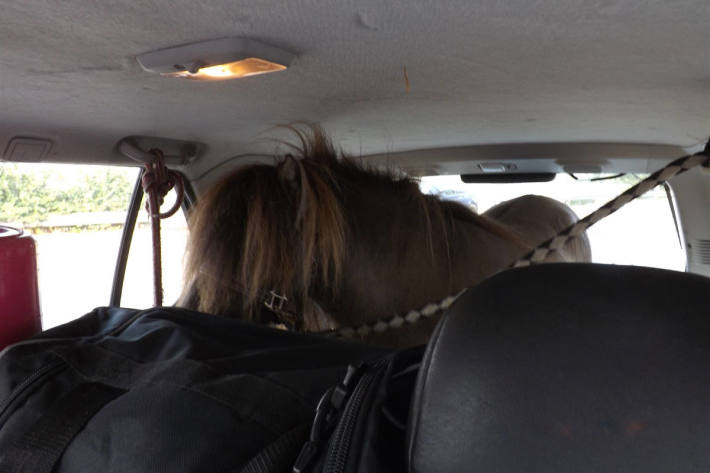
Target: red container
[(19, 297)]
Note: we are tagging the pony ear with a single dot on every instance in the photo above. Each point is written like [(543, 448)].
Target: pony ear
[(288, 169), (291, 173)]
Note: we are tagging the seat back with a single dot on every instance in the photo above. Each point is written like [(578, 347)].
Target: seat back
[(568, 367), (19, 300)]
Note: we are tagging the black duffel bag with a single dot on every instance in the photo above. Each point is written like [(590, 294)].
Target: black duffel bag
[(164, 390)]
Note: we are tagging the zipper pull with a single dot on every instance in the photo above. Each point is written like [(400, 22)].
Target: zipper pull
[(328, 406), (312, 446), (342, 391)]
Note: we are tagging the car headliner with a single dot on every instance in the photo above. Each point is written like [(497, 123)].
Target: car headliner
[(477, 73)]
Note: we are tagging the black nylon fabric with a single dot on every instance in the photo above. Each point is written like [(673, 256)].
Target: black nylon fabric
[(279, 456), (369, 431), (39, 449), (202, 393)]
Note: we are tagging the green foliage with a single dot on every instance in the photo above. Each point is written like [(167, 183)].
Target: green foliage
[(27, 196)]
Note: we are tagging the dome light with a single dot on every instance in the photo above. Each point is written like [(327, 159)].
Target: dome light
[(221, 59)]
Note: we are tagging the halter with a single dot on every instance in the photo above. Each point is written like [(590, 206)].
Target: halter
[(538, 255)]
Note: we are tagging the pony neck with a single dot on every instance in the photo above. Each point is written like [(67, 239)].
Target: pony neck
[(426, 269)]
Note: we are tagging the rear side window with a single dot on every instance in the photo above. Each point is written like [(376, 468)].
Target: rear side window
[(76, 215), (642, 233)]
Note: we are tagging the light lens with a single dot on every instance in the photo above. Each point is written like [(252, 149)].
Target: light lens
[(234, 70)]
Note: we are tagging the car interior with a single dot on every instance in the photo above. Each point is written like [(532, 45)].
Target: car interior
[(483, 93)]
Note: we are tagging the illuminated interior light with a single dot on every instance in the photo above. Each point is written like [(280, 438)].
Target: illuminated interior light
[(227, 58), (234, 70)]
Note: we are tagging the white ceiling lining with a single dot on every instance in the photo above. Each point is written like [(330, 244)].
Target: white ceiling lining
[(479, 72)]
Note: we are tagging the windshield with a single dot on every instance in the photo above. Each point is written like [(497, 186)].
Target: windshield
[(642, 233)]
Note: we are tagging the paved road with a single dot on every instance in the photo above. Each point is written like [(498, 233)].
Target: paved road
[(76, 271)]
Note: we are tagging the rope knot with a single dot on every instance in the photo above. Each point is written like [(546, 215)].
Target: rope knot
[(157, 181)]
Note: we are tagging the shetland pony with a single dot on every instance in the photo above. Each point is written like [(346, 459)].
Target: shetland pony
[(348, 244)]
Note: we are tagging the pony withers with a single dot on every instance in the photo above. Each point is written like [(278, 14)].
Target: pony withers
[(345, 243)]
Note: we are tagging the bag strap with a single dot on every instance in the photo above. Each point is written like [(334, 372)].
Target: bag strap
[(280, 455), (41, 447)]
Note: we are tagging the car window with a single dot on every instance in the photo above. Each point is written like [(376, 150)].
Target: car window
[(76, 215), (642, 233)]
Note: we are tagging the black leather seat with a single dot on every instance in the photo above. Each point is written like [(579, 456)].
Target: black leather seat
[(568, 368)]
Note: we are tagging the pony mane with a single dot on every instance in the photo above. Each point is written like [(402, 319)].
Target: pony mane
[(285, 228), (268, 228)]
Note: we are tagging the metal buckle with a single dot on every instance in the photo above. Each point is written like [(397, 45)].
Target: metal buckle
[(274, 301)]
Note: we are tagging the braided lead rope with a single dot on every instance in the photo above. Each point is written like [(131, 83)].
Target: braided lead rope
[(411, 317), (541, 252), (157, 181)]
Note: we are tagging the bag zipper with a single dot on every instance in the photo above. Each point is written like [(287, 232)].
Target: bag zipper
[(342, 437), (26, 383)]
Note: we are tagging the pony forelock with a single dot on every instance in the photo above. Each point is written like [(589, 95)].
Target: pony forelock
[(267, 228)]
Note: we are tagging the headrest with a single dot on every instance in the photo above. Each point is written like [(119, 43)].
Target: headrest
[(568, 368)]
